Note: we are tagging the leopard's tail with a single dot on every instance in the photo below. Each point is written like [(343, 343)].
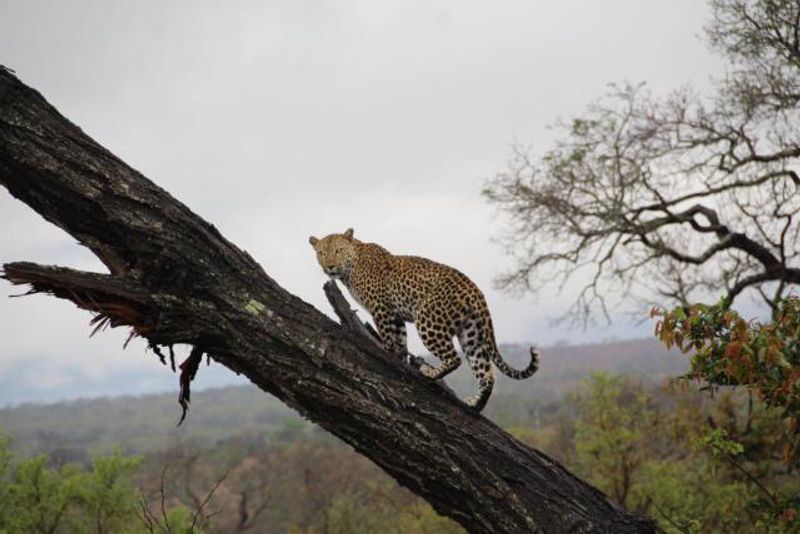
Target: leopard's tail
[(500, 363), (517, 374)]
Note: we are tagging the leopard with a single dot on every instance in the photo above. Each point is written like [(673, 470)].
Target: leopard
[(443, 304)]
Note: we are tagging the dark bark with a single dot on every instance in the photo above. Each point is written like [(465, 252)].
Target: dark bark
[(174, 279)]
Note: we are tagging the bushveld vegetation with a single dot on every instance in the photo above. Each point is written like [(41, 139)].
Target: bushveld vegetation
[(665, 448)]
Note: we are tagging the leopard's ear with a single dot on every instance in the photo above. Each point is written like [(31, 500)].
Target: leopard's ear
[(313, 240), (348, 234)]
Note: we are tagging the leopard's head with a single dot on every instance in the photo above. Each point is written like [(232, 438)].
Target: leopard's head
[(336, 253)]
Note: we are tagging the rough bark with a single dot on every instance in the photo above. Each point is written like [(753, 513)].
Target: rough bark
[(175, 279)]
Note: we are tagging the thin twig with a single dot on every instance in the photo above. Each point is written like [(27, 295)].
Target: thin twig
[(752, 479), (164, 499), (205, 501), (682, 528)]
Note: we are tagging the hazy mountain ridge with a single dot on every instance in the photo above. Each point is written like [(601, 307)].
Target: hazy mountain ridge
[(37, 380), (136, 424)]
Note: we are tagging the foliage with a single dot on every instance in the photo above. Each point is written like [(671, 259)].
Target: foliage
[(764, 358), (107, 493), (670, 452), (36, 497), (293, 478), (42, 499), (693, 464), (719, 444), (689, 496), (727, 350), (611, 435), (347, 516)]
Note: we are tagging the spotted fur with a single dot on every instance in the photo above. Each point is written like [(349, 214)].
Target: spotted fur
[(442, 302)]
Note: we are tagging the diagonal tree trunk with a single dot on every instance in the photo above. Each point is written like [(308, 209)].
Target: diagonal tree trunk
[(175, 279)]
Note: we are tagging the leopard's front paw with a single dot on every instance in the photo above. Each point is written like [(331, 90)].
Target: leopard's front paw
[(427, 370)]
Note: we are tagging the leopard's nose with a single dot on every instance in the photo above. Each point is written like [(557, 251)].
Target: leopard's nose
[(330, 267)]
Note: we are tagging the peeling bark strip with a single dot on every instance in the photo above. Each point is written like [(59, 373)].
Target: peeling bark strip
[(175, 279)]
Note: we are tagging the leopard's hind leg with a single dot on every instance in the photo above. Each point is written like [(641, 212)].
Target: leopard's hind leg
[(439, 342), (473, 343)]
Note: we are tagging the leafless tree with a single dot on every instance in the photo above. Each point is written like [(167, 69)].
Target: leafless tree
[(682, 196)]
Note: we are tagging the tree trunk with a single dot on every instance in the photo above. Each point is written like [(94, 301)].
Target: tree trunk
[(175, 279)]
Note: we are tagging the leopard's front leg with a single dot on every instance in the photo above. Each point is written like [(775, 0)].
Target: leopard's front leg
[(393, 334)]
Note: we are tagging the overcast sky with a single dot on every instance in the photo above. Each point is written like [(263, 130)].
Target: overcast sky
[(279, 119)]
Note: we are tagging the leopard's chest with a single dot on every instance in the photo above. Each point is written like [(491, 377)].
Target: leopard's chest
[(356, 296)]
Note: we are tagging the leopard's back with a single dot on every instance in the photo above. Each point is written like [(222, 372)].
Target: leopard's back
[(415, 283)]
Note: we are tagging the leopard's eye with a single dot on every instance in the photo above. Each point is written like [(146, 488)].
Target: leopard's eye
[(337, 251)]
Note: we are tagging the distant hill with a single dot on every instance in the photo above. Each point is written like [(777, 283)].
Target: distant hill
[(71, 430), (138, 424), (563, 367)]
